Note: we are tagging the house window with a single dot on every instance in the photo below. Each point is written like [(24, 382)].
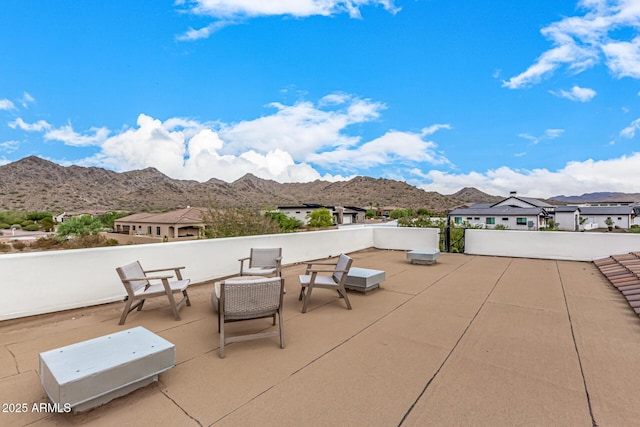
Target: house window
[(619, 218), (469, 218), (157, 231), (521, 221), (505, 219), (149, 230), (476, 218), (457, 220), (491, 220)]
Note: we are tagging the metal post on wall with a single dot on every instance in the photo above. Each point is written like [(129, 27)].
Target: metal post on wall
[(447, 235)]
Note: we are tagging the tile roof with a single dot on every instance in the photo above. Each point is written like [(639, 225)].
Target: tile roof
[(180, 216)]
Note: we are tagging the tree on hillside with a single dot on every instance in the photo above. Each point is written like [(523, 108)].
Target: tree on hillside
[(79, 226), (320, 218)]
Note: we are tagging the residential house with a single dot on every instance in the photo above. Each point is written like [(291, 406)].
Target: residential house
[(514, 213), (567, 218), (66, 216), (623, 216), (341, 214), (181, 223)]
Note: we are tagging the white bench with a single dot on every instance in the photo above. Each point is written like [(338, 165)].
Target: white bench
[(90, 373), (363, 279), (424, 257)]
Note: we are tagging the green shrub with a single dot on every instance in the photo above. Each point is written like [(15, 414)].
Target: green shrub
[(32, 227), (4, 225)]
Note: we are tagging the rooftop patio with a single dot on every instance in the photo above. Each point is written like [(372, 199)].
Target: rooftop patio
[(470, 340)]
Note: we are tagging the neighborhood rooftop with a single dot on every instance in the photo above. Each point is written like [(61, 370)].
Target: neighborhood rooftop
[(470, 340)]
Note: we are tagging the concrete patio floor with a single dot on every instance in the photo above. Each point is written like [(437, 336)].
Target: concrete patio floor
[(470, 340)]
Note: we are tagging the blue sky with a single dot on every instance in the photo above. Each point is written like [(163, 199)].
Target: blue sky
[(540, 97)]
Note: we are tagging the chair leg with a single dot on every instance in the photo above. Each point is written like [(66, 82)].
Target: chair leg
[(221, 324), (301, 294), (343, 292), (125, 312), (281, 328), (307, 296), (174, 307), (186, 296)]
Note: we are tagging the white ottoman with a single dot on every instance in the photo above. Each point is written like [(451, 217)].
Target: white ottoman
[(423, 257), (90, 373), (363, 279)]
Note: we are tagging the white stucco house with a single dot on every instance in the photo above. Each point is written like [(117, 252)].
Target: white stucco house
[(568, 218), (514, 213), (341, 214), (595, 216)]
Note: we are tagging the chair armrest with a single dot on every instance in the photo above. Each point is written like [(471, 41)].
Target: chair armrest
[(311, 264), (243, 259), (164, 269), (135, 279), (323, 263), (316, 270)]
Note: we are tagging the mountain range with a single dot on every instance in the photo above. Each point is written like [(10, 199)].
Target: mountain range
[(35, 184)]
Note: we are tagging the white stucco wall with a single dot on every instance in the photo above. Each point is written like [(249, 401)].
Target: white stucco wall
[(567, 220), (549, 244), (35, 283)]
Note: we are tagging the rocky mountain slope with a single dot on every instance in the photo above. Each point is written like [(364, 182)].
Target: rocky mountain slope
[(599, 197), (35, 184)]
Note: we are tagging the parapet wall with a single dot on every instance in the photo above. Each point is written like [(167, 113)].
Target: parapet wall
[(549, 244), (44, 282)]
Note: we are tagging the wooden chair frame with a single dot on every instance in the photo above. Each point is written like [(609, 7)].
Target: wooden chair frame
[(311, 279), (139, 287)]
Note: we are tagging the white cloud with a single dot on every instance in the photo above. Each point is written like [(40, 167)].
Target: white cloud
[(580, 42), (575, 178), (231, 12), (301, 128), (5, 104), (630, 131), (392, 147), (9, 146), (548, 134), (193, 151), (576, 93), (287, 146), (26, 100), (38, 126), (553, 133), (68, 136)]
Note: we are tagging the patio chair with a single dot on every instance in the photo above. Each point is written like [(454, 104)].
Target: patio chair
[(244, 298), (311, 279), (262, 262), (139, 287)]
